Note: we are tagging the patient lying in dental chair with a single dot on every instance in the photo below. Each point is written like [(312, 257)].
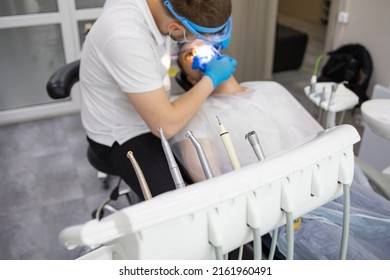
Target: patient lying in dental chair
[(265, 107), (281, 123)]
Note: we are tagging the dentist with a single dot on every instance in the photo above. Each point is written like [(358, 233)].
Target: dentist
[(123, 70)]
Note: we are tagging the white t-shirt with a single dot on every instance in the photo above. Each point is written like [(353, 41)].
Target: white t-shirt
[(124, 52), (279, 120)]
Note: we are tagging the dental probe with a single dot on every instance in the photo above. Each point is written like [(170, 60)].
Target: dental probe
[(227, 142), (141, 178), (255, 143), (173, 167), (202, 156)]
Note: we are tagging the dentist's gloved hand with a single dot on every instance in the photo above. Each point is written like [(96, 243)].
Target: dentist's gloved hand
[(220, 68)]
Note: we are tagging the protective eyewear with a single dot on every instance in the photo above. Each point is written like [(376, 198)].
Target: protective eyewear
[(219, 35)]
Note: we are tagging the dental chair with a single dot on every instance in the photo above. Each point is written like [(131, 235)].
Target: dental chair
[(59, 86)]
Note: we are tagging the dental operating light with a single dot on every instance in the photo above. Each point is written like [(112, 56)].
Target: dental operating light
[(218, 35)]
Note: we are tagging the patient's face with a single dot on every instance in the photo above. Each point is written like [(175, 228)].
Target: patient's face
[(186, 58)]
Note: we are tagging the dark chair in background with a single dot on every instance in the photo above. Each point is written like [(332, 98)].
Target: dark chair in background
[(290, 48)]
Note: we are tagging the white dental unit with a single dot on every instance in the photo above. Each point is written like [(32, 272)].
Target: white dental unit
[(305, 168), (189, 223), (332, 98)]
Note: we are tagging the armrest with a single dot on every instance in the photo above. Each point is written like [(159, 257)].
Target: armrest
[(61, 82)]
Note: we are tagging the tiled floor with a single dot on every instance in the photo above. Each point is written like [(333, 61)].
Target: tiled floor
[(47, 184)]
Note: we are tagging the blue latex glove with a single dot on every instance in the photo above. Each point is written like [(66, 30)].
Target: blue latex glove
[(220, 69)]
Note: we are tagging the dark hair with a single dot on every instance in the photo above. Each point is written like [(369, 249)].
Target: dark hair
[(207, 13)]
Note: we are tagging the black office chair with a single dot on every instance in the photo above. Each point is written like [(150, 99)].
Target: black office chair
[(59, 86)]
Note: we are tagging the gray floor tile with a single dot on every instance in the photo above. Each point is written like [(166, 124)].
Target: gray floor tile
[(75, 136), (58, 217), (35, 139), (23, 236), (38, 181), (33, 234)]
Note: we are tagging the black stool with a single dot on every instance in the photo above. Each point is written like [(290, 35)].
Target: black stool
[(59, 86)]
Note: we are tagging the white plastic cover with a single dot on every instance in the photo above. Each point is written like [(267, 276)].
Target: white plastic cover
[(280, 122)]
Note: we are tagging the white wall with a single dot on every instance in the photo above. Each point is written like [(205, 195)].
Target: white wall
[(369, 25), (309, 10)]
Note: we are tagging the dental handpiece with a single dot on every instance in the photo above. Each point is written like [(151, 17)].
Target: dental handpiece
[(227, 142), (255, 143), (141, 178), (173, 167), (320, 103), (202, 156), (332, 95)]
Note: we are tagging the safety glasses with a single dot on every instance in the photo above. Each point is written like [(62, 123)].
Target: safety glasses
[(218, 35)]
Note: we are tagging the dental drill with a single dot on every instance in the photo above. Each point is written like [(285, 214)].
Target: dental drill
[(255, 143), (209, 174), (227, 142), (173, 167), (141, 178), (296, 224), (202, 156)]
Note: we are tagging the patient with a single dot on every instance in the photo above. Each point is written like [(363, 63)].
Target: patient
[(282, 123)]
